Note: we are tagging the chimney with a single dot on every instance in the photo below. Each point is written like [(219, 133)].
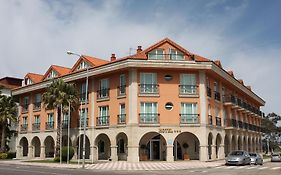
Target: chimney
[(113, 57), (139, 49)]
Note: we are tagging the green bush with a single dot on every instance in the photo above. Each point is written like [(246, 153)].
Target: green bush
[(64, 153), (11, 155), (56, 159), (3, 155)]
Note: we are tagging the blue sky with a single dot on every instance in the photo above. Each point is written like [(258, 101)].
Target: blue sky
[(243, 34)]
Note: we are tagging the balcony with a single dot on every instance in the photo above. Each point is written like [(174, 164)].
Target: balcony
[(149, 118), (81, 122), (233, 123), (103, 93), (188, 90), (36, 127), (209, 92), (240, 125), (217, 96), (82, 97), (218, 121), (189, 118), (121, 90), (103, 121), (149, 89), (50, 125), (210, 119), (23, 127), (246, 126), (24, 108), (121, 119), (229, 100), (37, 106)]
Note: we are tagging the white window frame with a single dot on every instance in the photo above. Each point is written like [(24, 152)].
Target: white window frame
[(175, 54), (148, 87), (156, 55)]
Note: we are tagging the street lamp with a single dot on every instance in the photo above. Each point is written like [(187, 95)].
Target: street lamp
[(86, 111)]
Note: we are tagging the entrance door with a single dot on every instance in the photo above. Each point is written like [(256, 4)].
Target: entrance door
[(155, 150)]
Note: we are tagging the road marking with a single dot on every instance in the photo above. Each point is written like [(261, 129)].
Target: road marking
[(33, 172), (275, 168)]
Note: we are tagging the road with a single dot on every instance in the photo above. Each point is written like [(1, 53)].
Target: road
[(267, 168)]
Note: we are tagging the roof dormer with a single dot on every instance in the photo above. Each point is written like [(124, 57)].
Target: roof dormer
[(27, 81), (87, 62), (32, 78), (52, 74), (56, 71)]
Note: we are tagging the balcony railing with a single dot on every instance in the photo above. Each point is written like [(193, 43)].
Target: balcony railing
[(149, 88), (217, 96), (50, 125), (240, 124), (121, 90), (154, 56), (121, 119), (25, 108), (210, 119), (246, 126), (233, 123), (189, 118), (103, 93), (23, 127), (229, 99), (103, 121), (82, 97), (149, 118), (188, 89), (209, 92), (218, 121), (35, 126), (37, 106), (81, 122)]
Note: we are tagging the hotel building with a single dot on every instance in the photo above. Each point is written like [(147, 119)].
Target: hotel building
[(162, 103)]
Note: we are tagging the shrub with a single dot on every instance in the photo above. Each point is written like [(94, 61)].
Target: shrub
[(64, 153), (11, 155), (3, 155), (56, 159)]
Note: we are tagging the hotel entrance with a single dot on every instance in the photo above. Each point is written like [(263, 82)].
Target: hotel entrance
[(152, 147)]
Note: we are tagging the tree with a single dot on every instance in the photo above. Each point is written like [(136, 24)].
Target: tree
[(8, 111), (59, 96)]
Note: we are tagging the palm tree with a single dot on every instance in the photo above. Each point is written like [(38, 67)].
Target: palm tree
[(59, 96), (8, 112)]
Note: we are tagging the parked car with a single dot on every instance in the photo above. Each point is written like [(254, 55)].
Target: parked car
[(276, 157), (238, 157), (256, 159)]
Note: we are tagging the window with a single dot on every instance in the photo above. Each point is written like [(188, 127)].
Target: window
[(121, 146), (24, 121), (50, 118), (156, 54), (210, 118), (82, 91), (217, 91), (175, 54), (122, 114), (189, 113), (28, 81), (169, 106), (52, 74), (37, 102), (24, 124), (83, 117), (65, 119), (122, 86), (25, 104), (188, 84), (103, 118), (104, 89), (148, 83), (82, 65), (148, 113), (37, 119)]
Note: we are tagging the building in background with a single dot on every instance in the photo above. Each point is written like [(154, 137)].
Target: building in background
[(162, 103), (6, 86)]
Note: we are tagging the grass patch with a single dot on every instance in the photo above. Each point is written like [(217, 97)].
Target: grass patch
[(266, 156)]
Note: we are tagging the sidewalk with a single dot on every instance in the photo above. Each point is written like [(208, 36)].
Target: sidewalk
[(123, 165)]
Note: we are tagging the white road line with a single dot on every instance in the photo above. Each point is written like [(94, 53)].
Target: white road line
[(275, 168)]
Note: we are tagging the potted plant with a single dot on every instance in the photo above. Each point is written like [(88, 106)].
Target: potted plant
[(185, 155), (143, 155)]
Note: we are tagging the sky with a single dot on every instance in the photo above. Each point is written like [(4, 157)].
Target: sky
[(243, 34)]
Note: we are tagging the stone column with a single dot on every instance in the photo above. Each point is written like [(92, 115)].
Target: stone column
[(114, 156), (213, 156), (94, 153), (170, 155), (202, 97), (19, 152), (221, 152), (203, 152), (75, 156), (30, 152), (42, 152), (133, 96), (133, 153)]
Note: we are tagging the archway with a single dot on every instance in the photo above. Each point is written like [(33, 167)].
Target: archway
[(152, 146), (49, 147), (249, 145), (233, 143), (122, 142), (218, 143), (80, 149), (244, 143), (103, 144), (239, 144), (24, 146), (210, 143), (186, 146), (226, 145), (36, 146)]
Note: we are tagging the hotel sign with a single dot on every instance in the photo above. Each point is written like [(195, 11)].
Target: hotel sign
[(169, 130)]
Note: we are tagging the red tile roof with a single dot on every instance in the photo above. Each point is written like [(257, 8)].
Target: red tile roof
[(58, 69), (91, 60), (35, 78)]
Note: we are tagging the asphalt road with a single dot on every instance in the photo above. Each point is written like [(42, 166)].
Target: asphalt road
[(268, 168)]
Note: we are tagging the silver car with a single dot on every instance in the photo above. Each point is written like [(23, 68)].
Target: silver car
[(256, 159), (238, 157), (276, 157)]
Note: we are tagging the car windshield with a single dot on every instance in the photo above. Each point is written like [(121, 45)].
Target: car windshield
[(237, 153), (253, 154)]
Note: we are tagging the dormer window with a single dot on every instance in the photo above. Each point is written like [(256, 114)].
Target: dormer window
[(52, 74), (175, 54), (156, 54), (82, 65), (27, 81)]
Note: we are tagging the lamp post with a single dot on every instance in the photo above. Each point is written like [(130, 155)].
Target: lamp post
[(86, 111)]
